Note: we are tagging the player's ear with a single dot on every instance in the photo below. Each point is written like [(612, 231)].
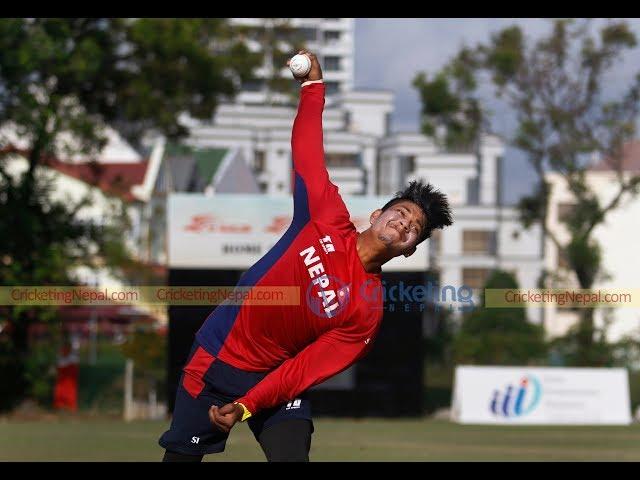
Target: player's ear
[(374, 215), (410, 251)]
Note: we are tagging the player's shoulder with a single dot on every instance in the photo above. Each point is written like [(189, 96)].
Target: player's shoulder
[(333, 237)]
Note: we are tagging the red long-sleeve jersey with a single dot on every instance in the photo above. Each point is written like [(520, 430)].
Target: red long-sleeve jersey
[(340, 303)]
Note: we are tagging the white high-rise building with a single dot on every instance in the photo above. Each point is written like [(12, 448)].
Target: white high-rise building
[(331, 39)]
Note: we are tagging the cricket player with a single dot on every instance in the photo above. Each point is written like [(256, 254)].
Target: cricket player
[(255, 364)]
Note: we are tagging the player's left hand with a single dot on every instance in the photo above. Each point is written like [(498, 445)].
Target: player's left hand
[(225, 417)]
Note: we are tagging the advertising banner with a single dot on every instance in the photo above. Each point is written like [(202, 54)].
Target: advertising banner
[(523, 395), (227, 231)]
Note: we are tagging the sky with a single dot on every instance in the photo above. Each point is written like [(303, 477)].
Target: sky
[(389, 52)]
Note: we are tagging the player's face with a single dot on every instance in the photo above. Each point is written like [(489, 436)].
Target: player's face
[(399, 226)]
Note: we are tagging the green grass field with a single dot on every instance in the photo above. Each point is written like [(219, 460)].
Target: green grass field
[(334, 439)]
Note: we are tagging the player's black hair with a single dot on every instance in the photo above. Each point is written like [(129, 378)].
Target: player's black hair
[(433, 203)]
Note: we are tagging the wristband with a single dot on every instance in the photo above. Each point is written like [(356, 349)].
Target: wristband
[(309, 82), (245, 412)]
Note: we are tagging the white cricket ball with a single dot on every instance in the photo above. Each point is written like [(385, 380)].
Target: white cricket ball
[(300, 65)]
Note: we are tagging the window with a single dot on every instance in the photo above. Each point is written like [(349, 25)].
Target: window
[(332, 87), (473, 191), (331, 64), (499, 186), (342, 160), (258, 161), (479, 242), (285, 31), (565, 211), (383, 165), (347, 119), (475, 278), (387, 123), (310, 34), (331, 36), (255, 85), (407, 166)]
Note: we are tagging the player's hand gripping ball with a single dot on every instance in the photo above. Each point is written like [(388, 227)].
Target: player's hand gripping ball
[(300, 65)]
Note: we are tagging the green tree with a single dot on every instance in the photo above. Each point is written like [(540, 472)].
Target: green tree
[(556, 88), (148, 350), (499, 336), (62, 81), (450, 113)]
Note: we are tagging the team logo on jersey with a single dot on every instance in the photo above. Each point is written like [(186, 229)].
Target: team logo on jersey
[(329, 301), (326, 295), (326, 244)]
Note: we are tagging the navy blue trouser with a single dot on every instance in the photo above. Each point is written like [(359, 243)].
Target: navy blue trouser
[(208, 381)]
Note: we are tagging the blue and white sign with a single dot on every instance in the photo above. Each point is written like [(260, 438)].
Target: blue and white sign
[(523, 395)]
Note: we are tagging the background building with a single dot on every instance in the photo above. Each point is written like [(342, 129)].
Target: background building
[(616, 237), (331, 39), (364, 158)]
